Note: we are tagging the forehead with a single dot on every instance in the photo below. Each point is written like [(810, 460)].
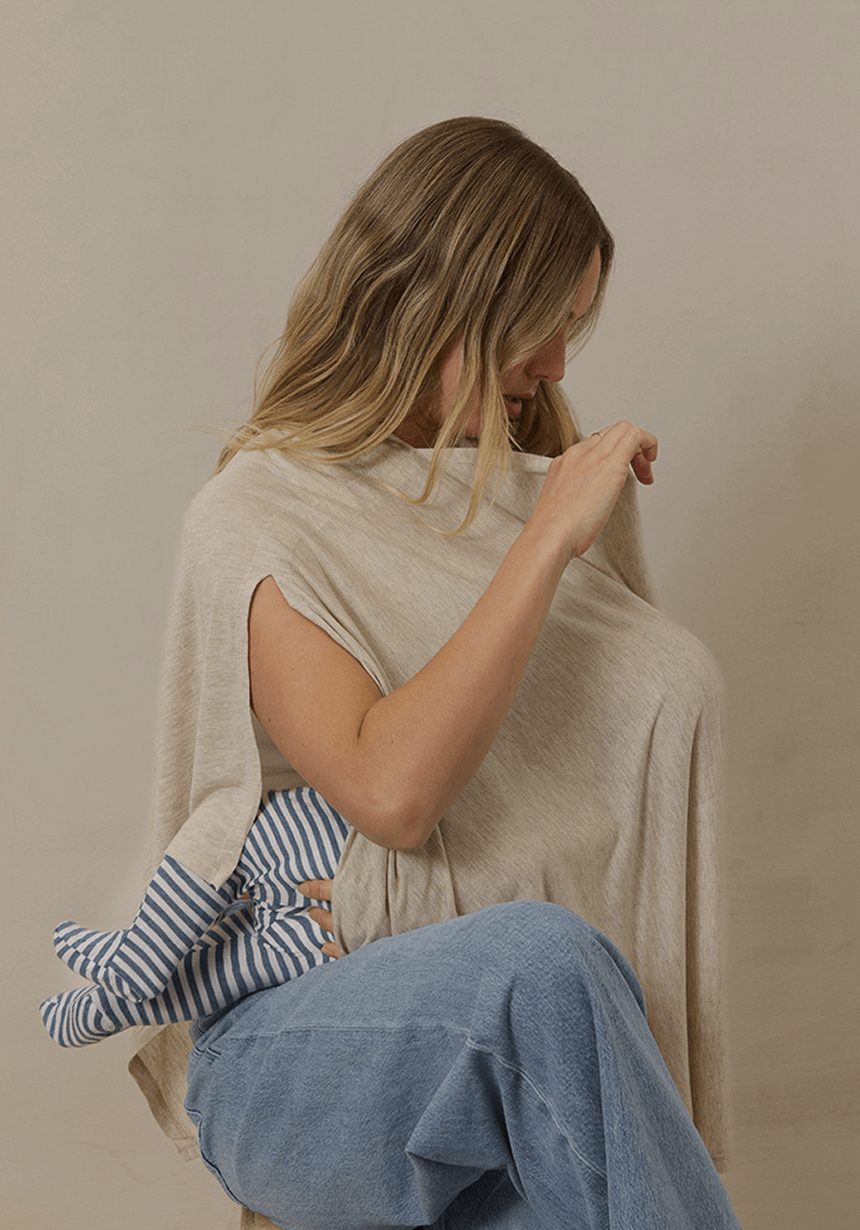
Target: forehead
[(588, 288)]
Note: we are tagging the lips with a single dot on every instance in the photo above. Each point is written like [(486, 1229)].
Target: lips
[(514, 402)]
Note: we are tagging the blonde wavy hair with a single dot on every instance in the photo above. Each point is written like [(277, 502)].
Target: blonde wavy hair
[(466, 233)]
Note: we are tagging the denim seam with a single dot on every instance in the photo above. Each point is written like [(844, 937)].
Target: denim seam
[(321, 1026), (549, 1106), (208, 1052), (214, 1170)]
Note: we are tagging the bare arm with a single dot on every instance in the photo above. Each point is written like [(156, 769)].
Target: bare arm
[(393, 764)]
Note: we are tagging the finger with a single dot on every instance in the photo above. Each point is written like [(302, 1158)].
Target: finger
[(643, 459), (625, 435), (322, 917), (642, 446), (319, 890), (331, 950), (603, 437), (610, 434), (642, 469)]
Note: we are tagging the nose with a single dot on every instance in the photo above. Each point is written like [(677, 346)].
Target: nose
[(549, 361)]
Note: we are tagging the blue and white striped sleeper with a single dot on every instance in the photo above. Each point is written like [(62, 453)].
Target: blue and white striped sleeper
[(192, 948)]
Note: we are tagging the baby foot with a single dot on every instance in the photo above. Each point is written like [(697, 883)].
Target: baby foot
[(137, 963), (77, 1018)]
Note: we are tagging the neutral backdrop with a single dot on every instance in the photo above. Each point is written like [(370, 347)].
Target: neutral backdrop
[(170, 170)]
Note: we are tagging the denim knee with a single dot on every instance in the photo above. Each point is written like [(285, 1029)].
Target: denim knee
[(532, 929), (552, 944)]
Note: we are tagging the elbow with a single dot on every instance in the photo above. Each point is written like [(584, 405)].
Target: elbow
[(396, 823), (410, 836)]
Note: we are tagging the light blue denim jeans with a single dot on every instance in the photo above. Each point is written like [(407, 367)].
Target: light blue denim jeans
[(492, 1071)]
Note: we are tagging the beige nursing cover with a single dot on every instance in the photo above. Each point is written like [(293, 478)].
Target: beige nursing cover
[(599, 792)]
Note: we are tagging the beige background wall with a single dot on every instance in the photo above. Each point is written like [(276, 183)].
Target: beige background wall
[(170, 170)]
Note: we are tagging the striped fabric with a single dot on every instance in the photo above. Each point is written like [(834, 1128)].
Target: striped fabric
[(138, 962), (193, 949)]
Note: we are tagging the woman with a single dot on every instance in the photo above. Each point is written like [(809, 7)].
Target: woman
[(454, 646)]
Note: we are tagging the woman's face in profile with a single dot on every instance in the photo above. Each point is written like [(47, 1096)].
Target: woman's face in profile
[(519, 383)]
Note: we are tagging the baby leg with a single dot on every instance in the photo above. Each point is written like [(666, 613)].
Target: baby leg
[(137, 963), (230, 962)]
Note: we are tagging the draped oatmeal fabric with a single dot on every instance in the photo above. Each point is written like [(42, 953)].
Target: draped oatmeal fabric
[(599, 793)]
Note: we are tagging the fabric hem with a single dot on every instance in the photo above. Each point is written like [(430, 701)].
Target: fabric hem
[(180, 1131)]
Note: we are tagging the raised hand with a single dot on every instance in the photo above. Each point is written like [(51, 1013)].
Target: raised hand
[(583, 484)]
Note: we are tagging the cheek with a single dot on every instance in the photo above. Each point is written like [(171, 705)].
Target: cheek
[(475, 408)]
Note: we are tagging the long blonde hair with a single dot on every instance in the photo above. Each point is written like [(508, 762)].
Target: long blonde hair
[(467, 232)]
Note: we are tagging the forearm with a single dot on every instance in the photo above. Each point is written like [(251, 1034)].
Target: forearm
[(418, 747)]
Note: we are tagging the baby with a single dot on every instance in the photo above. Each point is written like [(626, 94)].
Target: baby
[(194, 949)]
